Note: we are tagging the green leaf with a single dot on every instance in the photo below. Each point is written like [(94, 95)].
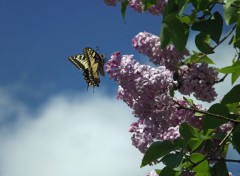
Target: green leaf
[(171, 8), (180, 34), (198, 58), (158, 171), (124, 5), (235, 76), (185, 19), (198, 114), (230, 69), (220, 169), (192, 136), (201, 168), (187, 131), (212, 122), (212, 27), (182, 4), (146, 4), (179, 143), (216, 27), (203, 43), (166, 171), (237, 36), (172, 18), (165, 36), (189, 101), (173, 160), (225, 149), (194, 143), (230, 12), (235, 138), (234, 69), (156, 151), (233, 96), (200, 4), (233, 107), (231, 40)]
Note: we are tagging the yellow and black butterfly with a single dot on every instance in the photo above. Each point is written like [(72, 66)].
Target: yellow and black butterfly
[(91, 64)]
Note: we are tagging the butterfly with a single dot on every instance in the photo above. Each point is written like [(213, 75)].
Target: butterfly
[(91, 64)]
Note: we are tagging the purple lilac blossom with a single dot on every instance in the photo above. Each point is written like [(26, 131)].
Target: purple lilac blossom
[(149, 45), (137, 5), (146, 90), (146, 131), (199, 80), (142, 87), (111, 2), (154, 10)]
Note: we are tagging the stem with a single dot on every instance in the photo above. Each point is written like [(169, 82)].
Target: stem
[(207, 113), (222, 79), (232, 5), (226, 160), (224, 38)]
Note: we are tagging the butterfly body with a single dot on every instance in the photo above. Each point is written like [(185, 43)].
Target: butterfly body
[(91, 64)]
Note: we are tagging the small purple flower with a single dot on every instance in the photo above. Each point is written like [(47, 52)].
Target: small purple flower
[(198, 79), (111, 2), (149, 45), (154, 10)]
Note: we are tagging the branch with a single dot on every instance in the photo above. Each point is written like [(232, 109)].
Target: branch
[(226, 160), (224, 38), (207, 113), (222, 79), (232, 5)]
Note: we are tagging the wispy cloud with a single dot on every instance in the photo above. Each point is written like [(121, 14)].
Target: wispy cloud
[(69, 135)]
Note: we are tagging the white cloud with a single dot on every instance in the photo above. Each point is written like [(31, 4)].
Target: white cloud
[(70, 135)]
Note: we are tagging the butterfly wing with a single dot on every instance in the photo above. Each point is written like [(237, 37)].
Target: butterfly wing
[(96, 63), (83, 63), (91, 64)]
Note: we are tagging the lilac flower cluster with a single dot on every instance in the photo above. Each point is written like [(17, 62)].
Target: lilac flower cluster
[(111, 2), (154, 10), (149, 45), (146, 90), (137, 5), (142, 87), (199, 80), (147, 130)]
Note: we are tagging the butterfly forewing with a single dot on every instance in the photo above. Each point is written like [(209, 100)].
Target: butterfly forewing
[(96, 58), (81, 62)]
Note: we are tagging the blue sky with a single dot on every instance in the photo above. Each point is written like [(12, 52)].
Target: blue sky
[(39, 36), (47, 123)]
